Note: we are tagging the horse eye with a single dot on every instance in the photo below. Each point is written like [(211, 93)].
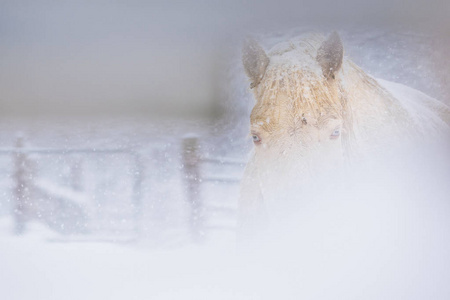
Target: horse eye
[(256, 139), (336, 133)]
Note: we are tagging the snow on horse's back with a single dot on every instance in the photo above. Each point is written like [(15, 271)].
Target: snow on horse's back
[(430, 114)]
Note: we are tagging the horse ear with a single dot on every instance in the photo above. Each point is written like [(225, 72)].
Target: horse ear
[(255, 61), (330, 55)]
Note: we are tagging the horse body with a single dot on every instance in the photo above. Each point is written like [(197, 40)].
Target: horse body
[(316, 111)]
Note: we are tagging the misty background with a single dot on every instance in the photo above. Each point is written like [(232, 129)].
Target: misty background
[(164, 58)]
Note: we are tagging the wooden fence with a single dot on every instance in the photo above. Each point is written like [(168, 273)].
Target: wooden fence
[(192, 173)]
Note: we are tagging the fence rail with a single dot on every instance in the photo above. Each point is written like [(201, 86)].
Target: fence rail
[(222, 161), (63, 151)]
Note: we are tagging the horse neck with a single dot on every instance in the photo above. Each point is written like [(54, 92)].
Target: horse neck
[(373, 115)]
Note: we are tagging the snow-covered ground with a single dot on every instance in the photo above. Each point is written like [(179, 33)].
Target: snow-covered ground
[(383, 236), (38, 266)]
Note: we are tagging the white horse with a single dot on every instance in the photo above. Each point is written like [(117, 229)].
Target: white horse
[(316, 111)]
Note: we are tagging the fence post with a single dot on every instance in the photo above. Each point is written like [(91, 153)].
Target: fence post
[(137, 192), (76, 174), (20, 186), (192, 180)]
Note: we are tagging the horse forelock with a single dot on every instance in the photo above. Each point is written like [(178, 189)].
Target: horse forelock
[(302, 92), (294, 72)]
